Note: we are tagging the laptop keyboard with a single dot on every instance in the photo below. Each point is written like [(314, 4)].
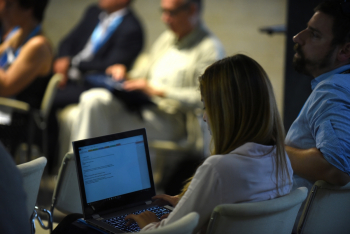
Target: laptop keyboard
[(119, 221)]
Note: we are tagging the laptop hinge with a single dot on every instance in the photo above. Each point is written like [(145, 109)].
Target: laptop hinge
[(97, 217), (148, 202)]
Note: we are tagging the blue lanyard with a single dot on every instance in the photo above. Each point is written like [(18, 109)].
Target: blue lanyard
[(9, 56), (98, 38), (35, 31), (10, 34)]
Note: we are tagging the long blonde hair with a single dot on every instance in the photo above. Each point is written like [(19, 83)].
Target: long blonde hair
[(241, 108)]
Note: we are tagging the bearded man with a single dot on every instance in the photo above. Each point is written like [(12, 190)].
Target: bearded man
[(318, 142)]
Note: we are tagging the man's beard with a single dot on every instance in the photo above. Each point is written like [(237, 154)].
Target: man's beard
[(307, 66)]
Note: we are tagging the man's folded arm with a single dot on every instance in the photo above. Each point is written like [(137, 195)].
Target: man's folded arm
[(310, 164)]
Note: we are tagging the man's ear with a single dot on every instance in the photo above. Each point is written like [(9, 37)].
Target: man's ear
[(344, 53)]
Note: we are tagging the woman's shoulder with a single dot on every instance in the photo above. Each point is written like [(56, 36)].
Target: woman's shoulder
[(38, 46), (249, 149), (218, 162), (39, 41), (214, 159), (247, 155)]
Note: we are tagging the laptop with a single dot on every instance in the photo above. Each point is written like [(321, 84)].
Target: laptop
[(115, 179)]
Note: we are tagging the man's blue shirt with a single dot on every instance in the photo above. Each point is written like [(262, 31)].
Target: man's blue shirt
[(324, 120)]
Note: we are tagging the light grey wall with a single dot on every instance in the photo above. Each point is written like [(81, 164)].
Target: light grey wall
[(235, 22)]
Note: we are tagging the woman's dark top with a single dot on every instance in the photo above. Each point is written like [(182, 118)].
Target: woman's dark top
[(34, 92)]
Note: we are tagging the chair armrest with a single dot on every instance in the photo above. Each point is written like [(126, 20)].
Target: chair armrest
[(15, 104)]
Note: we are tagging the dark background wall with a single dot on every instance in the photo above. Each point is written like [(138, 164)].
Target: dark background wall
[(297, 87)]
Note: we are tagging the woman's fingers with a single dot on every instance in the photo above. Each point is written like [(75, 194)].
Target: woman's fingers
[(130, 219), (142, 219)]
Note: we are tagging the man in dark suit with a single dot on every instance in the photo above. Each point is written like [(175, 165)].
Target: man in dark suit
[(108, 33)]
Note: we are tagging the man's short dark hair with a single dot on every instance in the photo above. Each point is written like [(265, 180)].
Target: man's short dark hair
[(341, 24), (38, 7)]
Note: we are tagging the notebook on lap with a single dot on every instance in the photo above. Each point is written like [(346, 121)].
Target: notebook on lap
[(115, 179)]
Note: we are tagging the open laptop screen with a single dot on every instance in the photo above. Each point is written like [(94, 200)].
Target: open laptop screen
[(114, 171), (114, 168)]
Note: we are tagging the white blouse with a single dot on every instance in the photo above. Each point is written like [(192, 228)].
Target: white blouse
[(247, 174)]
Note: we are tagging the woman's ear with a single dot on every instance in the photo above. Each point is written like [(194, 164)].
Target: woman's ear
[(344, 53)]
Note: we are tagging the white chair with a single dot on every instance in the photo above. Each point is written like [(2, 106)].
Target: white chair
[(185, 225), (39, 117), (66, 196), (326, 210), (32, 172), (275, 216)]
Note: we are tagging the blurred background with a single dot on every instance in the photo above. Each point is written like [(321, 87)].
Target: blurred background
[(243, 26), (235, 22)]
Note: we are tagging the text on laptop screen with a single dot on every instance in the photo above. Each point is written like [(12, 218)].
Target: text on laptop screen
[(114, 168)]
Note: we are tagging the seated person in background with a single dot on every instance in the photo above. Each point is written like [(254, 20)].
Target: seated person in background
[(13, 212), (108, 33), (249, 162), (175, 61), (25, 58), (25, 65)]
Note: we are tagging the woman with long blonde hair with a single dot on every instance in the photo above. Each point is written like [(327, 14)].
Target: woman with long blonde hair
[(248, 161)]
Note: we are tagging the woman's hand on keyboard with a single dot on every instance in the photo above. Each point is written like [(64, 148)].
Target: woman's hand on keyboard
[(164, 199), (142, 219)]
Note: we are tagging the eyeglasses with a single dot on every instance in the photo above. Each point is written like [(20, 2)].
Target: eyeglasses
[(345, 8), (177, 10)]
